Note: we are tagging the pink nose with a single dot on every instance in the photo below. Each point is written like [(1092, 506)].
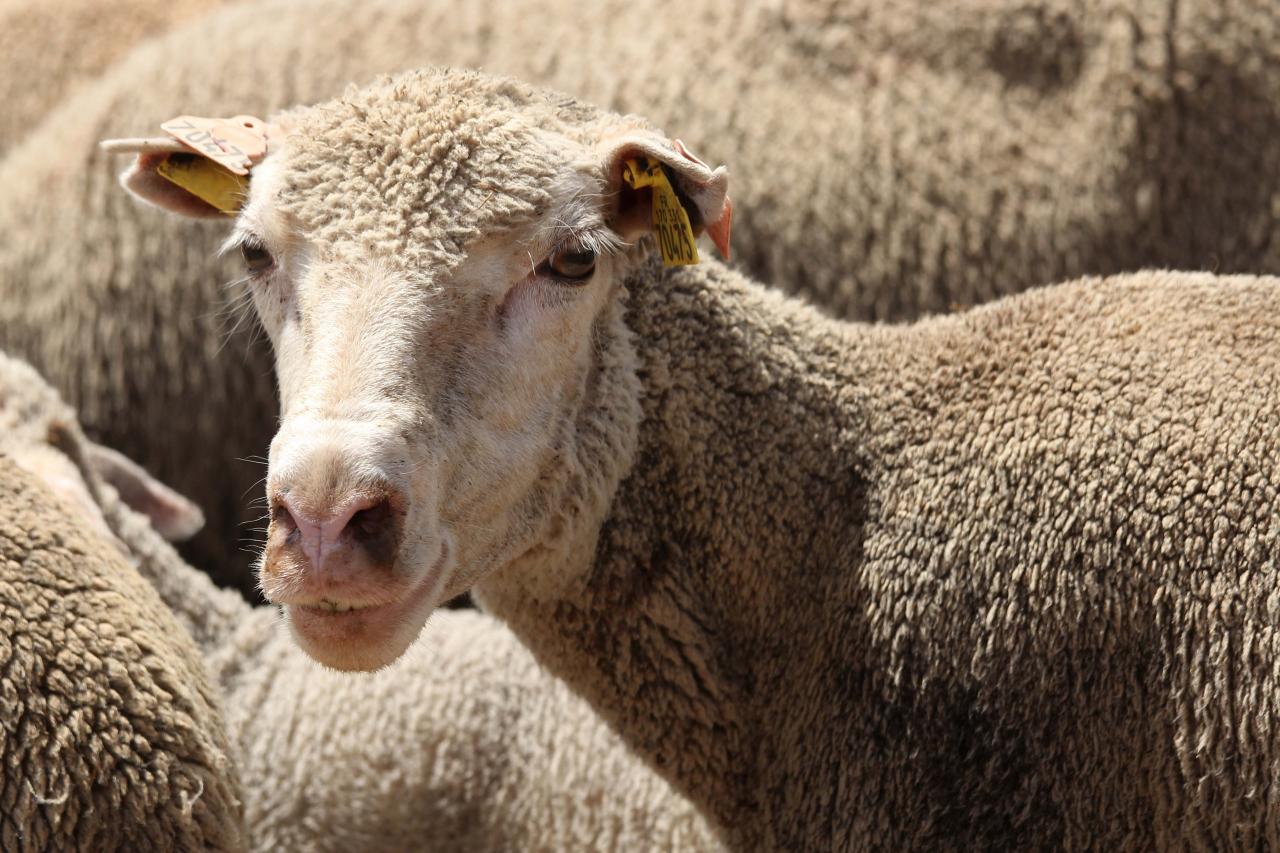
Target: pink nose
[(364, 520)]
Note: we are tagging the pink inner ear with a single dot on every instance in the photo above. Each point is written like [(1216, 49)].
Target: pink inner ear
[(171, 514), (634, 217), (144, 182), (719, 230)]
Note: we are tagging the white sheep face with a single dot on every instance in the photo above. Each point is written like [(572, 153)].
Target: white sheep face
[(437, 261), (433, 407)]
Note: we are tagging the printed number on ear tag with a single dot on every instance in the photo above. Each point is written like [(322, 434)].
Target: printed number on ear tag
[(671, 225)]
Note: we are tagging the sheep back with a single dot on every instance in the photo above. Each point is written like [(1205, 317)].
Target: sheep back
[(112, 738)]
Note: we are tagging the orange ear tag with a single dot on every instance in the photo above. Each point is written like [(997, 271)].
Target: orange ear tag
[(236, 143), (671, 225)]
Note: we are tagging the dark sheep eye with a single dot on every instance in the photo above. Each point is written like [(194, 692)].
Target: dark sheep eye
[(256, 257), (573, 264)]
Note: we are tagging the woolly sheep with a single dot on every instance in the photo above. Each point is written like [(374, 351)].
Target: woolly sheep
[(48, 47), (465, 745), (113, 739), (893, 159), (1000, 579)]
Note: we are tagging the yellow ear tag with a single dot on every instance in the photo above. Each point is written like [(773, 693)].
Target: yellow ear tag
[(207, 181), (671, 225)]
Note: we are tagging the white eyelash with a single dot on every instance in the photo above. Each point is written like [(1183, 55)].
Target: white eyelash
[(232, 243), (579, 225)]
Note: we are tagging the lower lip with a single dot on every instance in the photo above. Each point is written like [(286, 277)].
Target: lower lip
[(363, 625)]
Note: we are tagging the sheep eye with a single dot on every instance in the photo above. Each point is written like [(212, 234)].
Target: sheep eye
[(575, 264), (256, 257)]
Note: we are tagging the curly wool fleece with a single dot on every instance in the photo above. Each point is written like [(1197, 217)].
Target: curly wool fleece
[(112, 737), (889, 159)]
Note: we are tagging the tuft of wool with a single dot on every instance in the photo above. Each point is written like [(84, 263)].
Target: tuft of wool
[(466, 744), (888, 160), (113, 737)]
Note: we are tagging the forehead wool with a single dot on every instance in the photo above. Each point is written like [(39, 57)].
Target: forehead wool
[(417, 166)]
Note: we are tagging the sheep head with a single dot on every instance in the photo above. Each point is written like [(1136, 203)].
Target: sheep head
[(439, 261)]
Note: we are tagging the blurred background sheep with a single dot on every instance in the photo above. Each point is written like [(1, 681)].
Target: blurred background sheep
[(888, 160), (51, 46)]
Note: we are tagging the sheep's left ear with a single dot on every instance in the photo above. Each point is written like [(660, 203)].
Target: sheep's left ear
[(172, 515), (640, 166)]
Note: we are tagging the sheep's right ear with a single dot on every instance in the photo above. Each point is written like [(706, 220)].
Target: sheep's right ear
[(200, 170), (170, 180), (172, 515)]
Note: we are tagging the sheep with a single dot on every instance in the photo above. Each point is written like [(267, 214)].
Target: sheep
[(465, 745), (896, 159), (48, 48), (113, 739), (997, 579)]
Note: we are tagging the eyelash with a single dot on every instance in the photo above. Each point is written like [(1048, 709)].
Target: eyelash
[(568, 247)]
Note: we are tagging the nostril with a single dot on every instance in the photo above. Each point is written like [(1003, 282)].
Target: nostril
[(371, 521), (376, 530), (284, 519)]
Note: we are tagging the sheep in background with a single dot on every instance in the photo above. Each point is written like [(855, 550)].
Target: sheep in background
[(891, 159), (1002, 579), (48, 47), (467, 744), (113, 739)]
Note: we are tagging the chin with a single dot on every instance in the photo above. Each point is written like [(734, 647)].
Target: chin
[(365, 639)]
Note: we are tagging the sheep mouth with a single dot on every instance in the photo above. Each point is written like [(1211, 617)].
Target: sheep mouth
[(328, 606), (363, 636)]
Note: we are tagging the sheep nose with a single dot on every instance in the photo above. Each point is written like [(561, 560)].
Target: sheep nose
[(366, 522)]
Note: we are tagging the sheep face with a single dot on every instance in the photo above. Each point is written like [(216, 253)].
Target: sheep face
[(438, 262)]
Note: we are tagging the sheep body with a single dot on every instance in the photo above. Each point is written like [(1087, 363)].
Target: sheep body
[(1012, 587), (999, 579), (113, 738), (465, 744), (888, 160)]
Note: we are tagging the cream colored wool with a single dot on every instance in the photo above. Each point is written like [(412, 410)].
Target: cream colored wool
[(112, 738), (48, 47), (888, 159), (1004, 579), (465, 745)]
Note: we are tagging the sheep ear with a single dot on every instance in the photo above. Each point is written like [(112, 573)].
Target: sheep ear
[(639, 164), (201, 169), (173, 516), (185, 184)]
